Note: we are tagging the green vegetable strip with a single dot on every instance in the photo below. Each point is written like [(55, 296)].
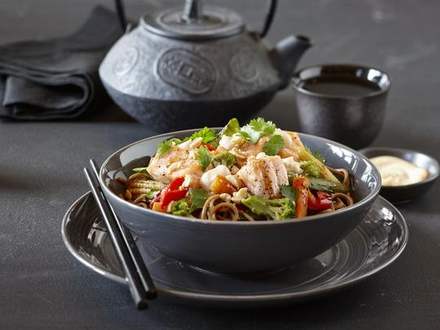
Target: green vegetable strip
[(141, 170), (325, 173), (288, 192), (325, 185), (311, 169), (232, 127), (204, 157)]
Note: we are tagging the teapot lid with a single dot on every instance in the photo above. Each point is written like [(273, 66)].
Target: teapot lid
[(193, 22)]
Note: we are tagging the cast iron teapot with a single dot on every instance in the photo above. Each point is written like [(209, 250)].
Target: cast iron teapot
[(197, 66)]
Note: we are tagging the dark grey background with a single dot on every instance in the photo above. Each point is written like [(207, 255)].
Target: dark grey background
[(42, 286)]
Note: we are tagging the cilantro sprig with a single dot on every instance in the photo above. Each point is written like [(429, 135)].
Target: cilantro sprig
[(251, 132), (198, 198), (256, 129), (273, 146), (165, 146), (262, 126), (207, 135)]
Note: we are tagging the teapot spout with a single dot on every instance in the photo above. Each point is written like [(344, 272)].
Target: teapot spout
[(287, 54)]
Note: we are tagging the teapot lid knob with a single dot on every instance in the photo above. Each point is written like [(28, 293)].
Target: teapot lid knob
[(192, 10), (193, 22)]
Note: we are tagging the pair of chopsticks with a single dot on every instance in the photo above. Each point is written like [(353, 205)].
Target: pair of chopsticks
[(139, 280)]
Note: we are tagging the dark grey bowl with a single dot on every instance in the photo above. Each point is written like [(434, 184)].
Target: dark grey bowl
[(404, 194), (238, 247), (352, 120)]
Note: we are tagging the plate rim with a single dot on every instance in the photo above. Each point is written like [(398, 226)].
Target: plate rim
[(258, 298), (75, 253)]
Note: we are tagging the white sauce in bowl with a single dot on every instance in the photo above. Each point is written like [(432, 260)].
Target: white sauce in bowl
[(398, 172)]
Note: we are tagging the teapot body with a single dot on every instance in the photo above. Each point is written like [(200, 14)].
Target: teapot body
[(169, 83)]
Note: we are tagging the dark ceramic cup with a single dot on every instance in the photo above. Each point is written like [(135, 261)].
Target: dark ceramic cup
[(240, 247), (342, 102)]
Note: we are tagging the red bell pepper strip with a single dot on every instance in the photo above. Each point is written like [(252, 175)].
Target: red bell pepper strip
[(173, 192), (302, 192), (321, 202), (176, 183), (173, 195)]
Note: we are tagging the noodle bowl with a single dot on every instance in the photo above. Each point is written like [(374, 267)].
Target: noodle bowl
[(238, 246)]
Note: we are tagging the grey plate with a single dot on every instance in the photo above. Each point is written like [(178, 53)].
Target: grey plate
[(372, 246), (202, 243)]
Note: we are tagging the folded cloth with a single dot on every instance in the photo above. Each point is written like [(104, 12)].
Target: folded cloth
[(58, 78)]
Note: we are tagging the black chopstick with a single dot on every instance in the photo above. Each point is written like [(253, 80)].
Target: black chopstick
[(139, 281), (131, 245)]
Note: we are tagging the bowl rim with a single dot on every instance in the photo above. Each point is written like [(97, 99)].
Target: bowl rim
[(296, 79), (370, 197), (428, 180)]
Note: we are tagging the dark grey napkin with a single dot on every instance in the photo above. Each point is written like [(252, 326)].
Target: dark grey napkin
[(56, 79)]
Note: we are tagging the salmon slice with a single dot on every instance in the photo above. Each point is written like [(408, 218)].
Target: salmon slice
[(264, 175), (179, 162)]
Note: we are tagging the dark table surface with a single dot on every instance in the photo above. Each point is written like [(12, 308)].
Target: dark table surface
[(42, 286)]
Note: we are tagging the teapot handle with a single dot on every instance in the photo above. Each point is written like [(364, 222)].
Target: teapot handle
[(120, 10), (269, 17)]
